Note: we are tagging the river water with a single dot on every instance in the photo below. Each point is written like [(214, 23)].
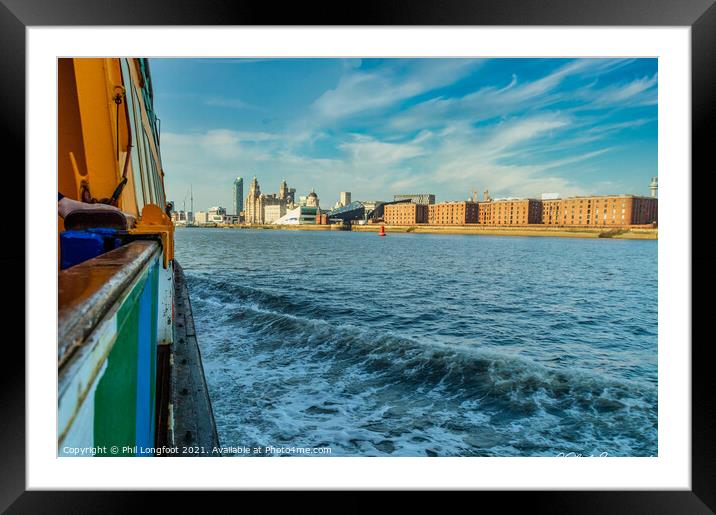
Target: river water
[(427, 345)]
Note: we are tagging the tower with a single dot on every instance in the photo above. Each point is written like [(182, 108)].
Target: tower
[(291, 196), (283, 190), (238, 195), (654, 186), (254, 208)]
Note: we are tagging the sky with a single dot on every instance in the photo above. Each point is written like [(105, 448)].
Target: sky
[(380, 127)]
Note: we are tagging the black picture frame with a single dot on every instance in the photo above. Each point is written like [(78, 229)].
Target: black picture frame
[(700, 15)]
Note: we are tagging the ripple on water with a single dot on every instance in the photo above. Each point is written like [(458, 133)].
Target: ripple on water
[(427, 346)]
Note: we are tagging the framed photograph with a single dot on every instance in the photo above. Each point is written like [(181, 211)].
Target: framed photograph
[(443, 249)]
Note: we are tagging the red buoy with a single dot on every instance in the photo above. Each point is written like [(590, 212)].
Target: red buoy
[(382, 231)]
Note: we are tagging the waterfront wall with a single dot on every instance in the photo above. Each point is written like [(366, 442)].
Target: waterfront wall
[(631, 232), (627, 232)]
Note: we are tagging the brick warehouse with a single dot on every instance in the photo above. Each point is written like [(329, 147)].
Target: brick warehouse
[(600, 210), (407, 213), (510, 212), (452, 213), (588, 211)]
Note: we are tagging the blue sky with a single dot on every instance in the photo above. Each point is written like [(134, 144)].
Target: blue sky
[(379, 127)]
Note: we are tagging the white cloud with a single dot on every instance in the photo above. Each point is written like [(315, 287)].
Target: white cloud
[(641, 91), (515, 132), (359, 91), (232, 103), (366, 150), (496, 101)]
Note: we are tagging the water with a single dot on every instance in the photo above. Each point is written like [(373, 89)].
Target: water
[(424, 345)]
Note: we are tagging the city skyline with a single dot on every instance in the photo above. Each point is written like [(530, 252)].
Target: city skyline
[(379, 127)]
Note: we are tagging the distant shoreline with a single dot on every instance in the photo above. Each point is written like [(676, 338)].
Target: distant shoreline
[(622, 233)]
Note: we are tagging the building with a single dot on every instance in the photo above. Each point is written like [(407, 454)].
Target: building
[(312, 200), (273, 212), (587, 211), (405, 213), (179, 217), (291, 217), (201, 217), (417, 198), (453, 213), (238, 195), (609, 210), (254, 208), (514, 212), (551, 211), (291, 198), (287, 195), (216, 215), (344, 198), (308, 215), (484, 211), (264, 208), (300, 215), (375, 210)]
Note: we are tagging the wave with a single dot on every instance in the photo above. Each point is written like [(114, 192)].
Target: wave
[(518, 404)]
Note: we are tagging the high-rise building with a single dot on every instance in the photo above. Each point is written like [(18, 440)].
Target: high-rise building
[(345, 198), (238, 195)]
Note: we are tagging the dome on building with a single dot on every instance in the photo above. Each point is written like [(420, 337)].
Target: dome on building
[(312, 199)]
